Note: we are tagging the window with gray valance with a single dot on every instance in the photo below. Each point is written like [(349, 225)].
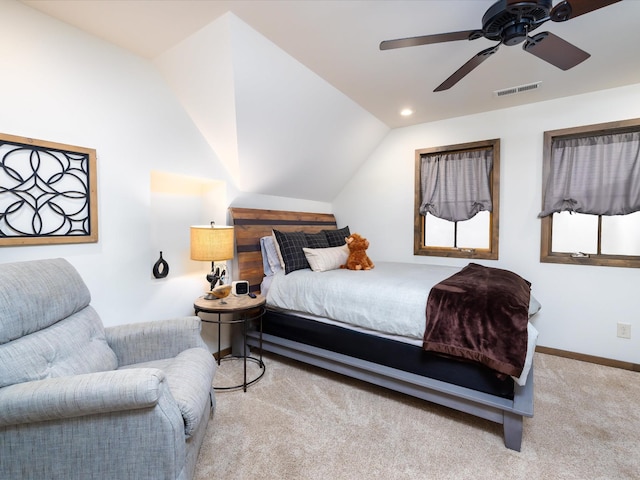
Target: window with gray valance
[(455, 186), (597, 175)]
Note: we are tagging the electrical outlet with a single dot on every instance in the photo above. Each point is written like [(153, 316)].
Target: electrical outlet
[(624, 330)]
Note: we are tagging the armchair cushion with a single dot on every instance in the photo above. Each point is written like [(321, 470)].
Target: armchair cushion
[(73, 346), (80, 395), (146, 341), (26, 293), (189, 378)]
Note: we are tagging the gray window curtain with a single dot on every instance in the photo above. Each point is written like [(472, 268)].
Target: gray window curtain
[(457, 185), (598, 175)]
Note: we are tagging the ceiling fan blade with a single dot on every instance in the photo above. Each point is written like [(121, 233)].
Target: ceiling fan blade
[(465, 69), (568, 9), (428, 39), (555, 50)]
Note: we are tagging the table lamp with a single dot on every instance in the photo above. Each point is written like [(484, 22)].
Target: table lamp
[(212, 243)]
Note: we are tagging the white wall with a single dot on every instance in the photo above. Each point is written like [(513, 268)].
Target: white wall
[(293, 134), (62, 85), (581, 304)]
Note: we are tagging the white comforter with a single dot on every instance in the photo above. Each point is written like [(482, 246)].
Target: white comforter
[(390, 299)]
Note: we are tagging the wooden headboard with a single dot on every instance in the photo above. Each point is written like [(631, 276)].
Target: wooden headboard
[(252, 224)]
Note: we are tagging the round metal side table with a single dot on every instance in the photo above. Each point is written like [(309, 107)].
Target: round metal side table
[(244, 311)]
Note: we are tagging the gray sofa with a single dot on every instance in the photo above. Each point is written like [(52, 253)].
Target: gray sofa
[(78, 401)]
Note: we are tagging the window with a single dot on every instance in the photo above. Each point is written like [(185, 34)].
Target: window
[(591, 195), (456, 200)]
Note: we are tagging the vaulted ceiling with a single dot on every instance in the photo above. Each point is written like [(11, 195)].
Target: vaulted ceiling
[(271, 64)]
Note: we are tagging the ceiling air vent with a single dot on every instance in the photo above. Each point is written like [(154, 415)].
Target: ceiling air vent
[(514, 90)]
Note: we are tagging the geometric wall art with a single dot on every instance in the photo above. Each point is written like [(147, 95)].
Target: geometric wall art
[(48, 192)]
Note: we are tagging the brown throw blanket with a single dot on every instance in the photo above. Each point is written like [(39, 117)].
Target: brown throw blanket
[(480, 314)]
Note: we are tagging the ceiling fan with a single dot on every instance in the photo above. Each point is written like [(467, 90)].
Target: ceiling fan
[(510, 22)]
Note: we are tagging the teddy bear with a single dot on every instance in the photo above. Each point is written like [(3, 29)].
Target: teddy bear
[(358, 259)]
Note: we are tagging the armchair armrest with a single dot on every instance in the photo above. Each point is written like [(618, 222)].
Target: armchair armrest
[(144, 342), (79, 395)]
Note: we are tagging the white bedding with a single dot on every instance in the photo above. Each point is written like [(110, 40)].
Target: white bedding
[(390, 299)]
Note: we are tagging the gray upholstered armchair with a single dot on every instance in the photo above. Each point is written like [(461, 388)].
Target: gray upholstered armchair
[(78, 401)]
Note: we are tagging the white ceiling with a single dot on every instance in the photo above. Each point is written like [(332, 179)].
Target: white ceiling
[(338, 40)]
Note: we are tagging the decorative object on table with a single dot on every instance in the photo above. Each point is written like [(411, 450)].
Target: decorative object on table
[(241, 287), (221, 291), (212, 243), (48, 192), (358, 258), (161, 268)]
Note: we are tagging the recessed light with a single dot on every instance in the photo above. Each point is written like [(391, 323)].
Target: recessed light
[(405, 112)]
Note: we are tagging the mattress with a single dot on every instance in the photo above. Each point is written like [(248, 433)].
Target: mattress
[(388, 301), (385, 351)]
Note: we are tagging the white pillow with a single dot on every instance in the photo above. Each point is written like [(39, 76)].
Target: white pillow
[(270, 259), (277, 247), (323, 259)]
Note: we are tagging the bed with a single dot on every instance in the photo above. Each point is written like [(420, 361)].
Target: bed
[(386, 359)]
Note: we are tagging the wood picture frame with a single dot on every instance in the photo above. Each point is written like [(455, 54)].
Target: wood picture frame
[(48, 192)]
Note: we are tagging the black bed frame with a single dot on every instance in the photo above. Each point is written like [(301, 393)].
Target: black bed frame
[(401, 367)]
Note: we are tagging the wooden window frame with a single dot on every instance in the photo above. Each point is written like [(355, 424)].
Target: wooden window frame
[(547, 255), (419, 248)]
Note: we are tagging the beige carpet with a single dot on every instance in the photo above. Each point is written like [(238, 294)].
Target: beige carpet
[(299, 422)]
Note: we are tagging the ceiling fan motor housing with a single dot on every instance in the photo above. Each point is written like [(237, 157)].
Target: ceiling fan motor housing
[(510, 21)]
